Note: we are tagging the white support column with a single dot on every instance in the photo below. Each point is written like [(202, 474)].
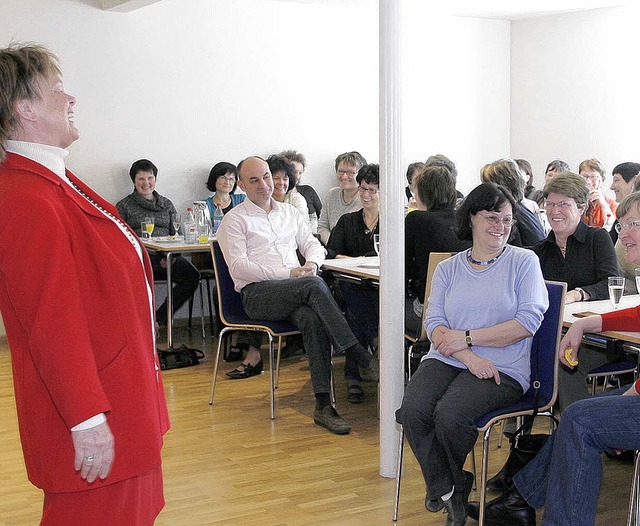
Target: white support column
[(392, 202)]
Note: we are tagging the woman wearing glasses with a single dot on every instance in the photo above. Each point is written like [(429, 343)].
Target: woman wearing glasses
[(583, 257), (222, 181), (485, 305), (353, 236)]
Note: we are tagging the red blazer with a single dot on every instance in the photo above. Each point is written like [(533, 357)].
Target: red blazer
[(74, 301)]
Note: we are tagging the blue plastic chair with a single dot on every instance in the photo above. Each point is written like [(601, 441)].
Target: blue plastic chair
[(544, 354), (234, 318), (544, 358)]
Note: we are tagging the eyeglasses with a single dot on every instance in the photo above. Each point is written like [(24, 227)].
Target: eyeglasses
[(626, 226), (494, 220), (347, 172), (372, 191), (591, 177), (561, 204), (230, 179)]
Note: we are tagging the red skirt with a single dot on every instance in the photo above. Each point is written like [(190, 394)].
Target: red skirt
[(134, 502)]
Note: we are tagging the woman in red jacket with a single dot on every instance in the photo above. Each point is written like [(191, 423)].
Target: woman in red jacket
[(76, 296)]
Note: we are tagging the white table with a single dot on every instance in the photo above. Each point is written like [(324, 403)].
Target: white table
[(168, 245), (367, 267), (600, 307)]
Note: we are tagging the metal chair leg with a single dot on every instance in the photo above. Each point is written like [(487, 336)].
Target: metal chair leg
[(272, 376), (396, 502), (483, 474), (217, 361), (633, 516), (204, 334)]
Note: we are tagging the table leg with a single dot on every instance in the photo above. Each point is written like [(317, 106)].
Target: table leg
[(169, 305)]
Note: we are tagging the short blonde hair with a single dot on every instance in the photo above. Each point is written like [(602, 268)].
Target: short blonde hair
[(22, 68), (592, 164)]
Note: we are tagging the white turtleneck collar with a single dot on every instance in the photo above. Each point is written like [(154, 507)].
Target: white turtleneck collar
[(50, 157)]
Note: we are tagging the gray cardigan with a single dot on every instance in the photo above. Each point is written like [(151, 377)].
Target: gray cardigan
[(134, 208)]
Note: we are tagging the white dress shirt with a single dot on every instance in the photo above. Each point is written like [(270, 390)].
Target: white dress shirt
[(260, 246)]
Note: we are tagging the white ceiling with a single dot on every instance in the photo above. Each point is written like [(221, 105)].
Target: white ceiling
[(501, 9)]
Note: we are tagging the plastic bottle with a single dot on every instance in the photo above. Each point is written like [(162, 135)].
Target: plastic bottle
[(217, 218), (190, 227)]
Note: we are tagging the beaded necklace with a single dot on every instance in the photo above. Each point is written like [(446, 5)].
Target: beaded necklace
[(483, 263)]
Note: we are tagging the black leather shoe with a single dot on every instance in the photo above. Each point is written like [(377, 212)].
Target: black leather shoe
[(432, 504), (245, 371), (509, 509), (234, 355), (499, 482)]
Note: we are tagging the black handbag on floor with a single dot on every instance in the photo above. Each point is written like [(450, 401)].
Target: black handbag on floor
[(183, 356)]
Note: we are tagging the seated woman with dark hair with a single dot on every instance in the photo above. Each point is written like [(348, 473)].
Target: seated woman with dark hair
[(428, 229), (143, 202), (485, 305), (352, 237), (222, 181), (284, 181)]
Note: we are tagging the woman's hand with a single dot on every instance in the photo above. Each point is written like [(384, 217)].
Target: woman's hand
[(480, 367), (449, 341), (573, 338), (94, 451)]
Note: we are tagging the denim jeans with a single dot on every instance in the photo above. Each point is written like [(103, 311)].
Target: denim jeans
[(565, 475), (308, 303), (440, 406)]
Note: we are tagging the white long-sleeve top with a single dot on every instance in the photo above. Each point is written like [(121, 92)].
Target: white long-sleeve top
[(260, 246)]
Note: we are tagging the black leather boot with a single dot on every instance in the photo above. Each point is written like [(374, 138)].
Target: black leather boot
[(509, 509)]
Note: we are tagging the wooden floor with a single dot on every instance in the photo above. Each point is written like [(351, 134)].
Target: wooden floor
[(232, 465)]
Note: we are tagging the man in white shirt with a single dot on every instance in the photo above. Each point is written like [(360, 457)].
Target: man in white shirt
[(259, 239)]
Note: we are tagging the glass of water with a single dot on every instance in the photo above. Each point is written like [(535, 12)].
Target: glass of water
[(376, 243), (616, 289), (638, 280)]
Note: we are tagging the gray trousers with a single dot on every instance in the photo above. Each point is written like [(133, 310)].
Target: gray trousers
[(440, 406), (308, 303)]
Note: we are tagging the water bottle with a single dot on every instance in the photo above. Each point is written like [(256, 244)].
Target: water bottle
[(217, 218), (190, 227)]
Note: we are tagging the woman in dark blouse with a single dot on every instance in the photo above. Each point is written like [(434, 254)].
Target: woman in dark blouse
[(584, 258), (353, 237), (428, 229)]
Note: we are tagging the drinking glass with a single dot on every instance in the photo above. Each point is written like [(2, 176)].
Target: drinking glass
[(638, 279), (376, 243), (177, 222), (616, 289), (203, 233), (145, 233), (150, 224)]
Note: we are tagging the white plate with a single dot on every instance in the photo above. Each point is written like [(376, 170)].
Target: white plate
[(168, 239)]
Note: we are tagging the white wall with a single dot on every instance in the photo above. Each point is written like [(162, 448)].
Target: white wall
[(574, 86), (456, 90), (188, 83)]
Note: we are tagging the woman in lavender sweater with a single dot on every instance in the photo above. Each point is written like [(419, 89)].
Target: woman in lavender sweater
[(485, 305)]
